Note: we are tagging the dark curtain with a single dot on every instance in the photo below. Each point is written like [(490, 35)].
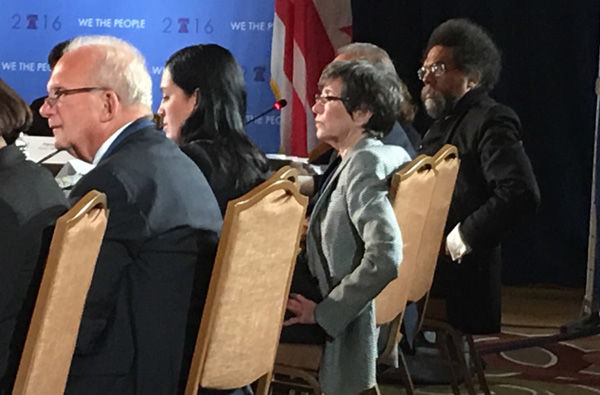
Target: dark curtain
[(550, 65)]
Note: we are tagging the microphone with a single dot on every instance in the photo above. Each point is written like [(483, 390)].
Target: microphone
[(277, 106)]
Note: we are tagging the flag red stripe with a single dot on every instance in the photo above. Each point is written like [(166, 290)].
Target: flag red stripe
[(312, 40), (304, 33)]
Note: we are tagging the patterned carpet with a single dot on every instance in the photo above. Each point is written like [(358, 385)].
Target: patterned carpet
[(565, 367), (570, 367)]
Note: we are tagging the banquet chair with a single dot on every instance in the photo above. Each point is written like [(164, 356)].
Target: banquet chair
[(317, 152), (48, 350), (410, 193), (243, 315), (446, 164), (297, 365), (286, 173)]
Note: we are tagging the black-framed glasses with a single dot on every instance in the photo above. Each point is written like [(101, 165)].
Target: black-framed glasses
[(51, 100), (325, 98), (436, 69)]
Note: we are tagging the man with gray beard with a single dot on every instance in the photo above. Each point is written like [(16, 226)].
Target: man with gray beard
[(495, 185)]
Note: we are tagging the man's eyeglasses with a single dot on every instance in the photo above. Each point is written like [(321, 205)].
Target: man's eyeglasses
[(53, 98), (324, 98), (437, 69)]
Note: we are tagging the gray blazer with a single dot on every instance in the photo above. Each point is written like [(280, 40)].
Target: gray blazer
[(354, 247)]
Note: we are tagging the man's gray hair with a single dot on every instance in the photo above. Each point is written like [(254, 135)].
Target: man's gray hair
[(380, 58), (369, 52), (123, 68)]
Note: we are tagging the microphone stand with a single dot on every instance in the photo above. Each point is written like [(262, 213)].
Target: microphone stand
[(279, 104)]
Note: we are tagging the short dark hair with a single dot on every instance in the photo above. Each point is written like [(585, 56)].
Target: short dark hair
[(57, 52), (367, 87), (473, 50), (15, 115)]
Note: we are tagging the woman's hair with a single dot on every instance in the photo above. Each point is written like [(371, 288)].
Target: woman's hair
[(210, 72), (15, 115), (367, 87)]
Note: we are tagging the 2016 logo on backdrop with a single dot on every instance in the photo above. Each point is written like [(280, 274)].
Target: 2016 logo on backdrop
[(186, 25), (35, 22)]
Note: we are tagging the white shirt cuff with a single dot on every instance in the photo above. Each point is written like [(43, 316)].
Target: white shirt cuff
[(456, 245)]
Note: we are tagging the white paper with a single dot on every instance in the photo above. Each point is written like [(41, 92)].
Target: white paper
[(37, 147)]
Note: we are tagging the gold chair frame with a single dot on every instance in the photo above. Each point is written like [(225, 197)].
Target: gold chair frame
[(410, 193), (447, 163), (52, 334), (221, 361)]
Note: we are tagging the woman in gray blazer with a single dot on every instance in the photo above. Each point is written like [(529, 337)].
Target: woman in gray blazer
[(353, 244)]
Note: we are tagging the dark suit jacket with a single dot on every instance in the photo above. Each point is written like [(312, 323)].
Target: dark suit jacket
[(161, 235), (495, 187), (30, 201), (230, 174), (399, 136)]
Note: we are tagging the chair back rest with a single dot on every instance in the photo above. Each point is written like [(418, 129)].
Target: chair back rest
[(285, 173), (410, 195), (241, 322), (446, 164), (52, 334), (318, 151)]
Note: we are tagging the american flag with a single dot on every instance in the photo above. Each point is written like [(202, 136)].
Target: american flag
[(306, 34)]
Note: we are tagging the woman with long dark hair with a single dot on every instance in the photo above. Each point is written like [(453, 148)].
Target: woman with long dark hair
[(203, 109)]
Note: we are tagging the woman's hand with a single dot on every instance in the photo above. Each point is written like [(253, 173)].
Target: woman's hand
[(303, 310)]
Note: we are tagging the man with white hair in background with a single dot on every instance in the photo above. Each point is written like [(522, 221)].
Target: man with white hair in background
[(136, 333)]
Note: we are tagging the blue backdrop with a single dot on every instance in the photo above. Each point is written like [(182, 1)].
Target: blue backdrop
[(31, 28)]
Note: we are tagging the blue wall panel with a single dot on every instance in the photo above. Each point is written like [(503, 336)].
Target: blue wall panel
[(29, 29)]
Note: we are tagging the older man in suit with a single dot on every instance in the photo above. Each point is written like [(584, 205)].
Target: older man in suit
[(162, 230)]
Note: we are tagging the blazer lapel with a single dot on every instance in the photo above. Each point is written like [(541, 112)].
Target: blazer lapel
[(364, 142), (334, 178), (328, 188)]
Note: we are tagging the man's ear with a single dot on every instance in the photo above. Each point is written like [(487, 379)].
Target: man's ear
[(111, 104), (361, 117), (473, 80)]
